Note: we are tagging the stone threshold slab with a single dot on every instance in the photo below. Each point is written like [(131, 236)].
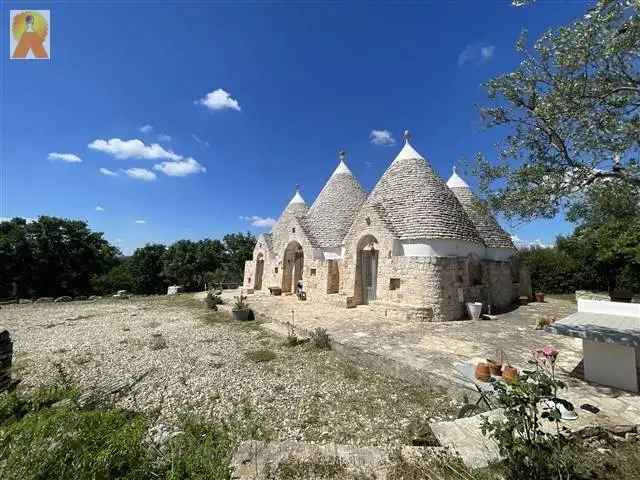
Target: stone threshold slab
[(257, 460)]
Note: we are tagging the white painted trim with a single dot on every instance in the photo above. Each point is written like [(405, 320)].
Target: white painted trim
[(449, 248), (609, 308), (334, 253)]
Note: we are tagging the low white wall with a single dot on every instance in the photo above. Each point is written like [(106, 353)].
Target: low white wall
[(609, 308)]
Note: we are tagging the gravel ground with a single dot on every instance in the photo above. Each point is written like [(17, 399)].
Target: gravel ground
[(207, 369)]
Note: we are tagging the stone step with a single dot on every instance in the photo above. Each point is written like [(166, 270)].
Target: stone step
[(256, 460)]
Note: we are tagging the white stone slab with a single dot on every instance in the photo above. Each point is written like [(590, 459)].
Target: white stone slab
[(610, 364)]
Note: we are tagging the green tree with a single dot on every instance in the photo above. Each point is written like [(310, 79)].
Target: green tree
[(239, 248), (180, 263), (52, 256), (570, 111), (608, 217), (146, 269), (16, 258), (119, 277)]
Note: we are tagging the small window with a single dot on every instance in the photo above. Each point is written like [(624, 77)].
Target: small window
[(394, 284), (313, 272), (276, 269), (368, 221), (293, 230)]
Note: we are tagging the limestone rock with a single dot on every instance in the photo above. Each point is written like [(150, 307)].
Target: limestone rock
[(63, 299), (174, 289), (45, 300)]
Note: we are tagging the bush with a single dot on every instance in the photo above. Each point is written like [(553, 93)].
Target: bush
[(528, 450), (157, 342), (212, 300), (118, 278), (320, 338)]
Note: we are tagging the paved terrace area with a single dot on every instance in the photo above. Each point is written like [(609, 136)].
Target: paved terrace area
[(428, 352)]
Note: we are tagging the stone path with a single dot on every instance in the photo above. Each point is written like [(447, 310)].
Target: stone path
[(428, 353)]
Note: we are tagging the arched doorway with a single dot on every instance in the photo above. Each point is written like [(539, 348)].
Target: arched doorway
[(259, 272), (366, 281), (292, 264)]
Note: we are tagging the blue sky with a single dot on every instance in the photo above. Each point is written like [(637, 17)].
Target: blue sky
[(244, 101)]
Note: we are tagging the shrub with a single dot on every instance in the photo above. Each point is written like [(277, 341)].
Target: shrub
[(320, 338), (528, 450), (240, 303), (213, 300), (157, 342)]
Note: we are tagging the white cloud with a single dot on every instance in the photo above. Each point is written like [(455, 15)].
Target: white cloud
[(476, 54), (141, 174), (181, 168), (219, 100), (134, 148), (110, 173), (99, 209), (201, 142), (65, 157), (163, 137), (522, 244), (146, 128), (8, 219), (259, 221), (382, 137), (141, 222)]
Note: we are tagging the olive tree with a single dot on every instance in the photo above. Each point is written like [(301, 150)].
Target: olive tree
[(569, 114)]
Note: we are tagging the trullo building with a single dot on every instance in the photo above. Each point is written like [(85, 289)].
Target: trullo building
[(415, 246)]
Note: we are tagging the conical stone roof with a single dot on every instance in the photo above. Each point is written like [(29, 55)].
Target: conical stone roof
[(335, 208), (417, 202), (491, 232), (296, 208)]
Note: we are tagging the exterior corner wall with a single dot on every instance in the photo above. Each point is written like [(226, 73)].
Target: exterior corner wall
[(249, 269)]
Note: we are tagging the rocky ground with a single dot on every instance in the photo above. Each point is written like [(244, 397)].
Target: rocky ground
[(168, 356)]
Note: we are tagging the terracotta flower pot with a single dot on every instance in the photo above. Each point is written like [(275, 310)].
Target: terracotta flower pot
[(483, 372), (496, 369), (509, 374), (540, 297)]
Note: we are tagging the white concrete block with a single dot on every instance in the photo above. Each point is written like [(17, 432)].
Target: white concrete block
[(611, 365)]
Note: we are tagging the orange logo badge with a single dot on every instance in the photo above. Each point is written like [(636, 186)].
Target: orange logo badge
[(30, 35)]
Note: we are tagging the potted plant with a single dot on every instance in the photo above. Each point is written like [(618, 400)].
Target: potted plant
[(241, 310), (483, 372), (509, 374), (496, 365)]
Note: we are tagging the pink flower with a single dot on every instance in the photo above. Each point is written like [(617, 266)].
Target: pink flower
[(550, 352)]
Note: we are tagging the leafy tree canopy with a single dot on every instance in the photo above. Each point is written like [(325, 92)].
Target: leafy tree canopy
[(569, 112), (51, 256)]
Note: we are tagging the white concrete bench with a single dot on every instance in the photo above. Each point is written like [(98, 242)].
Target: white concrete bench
[(610, 333)]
